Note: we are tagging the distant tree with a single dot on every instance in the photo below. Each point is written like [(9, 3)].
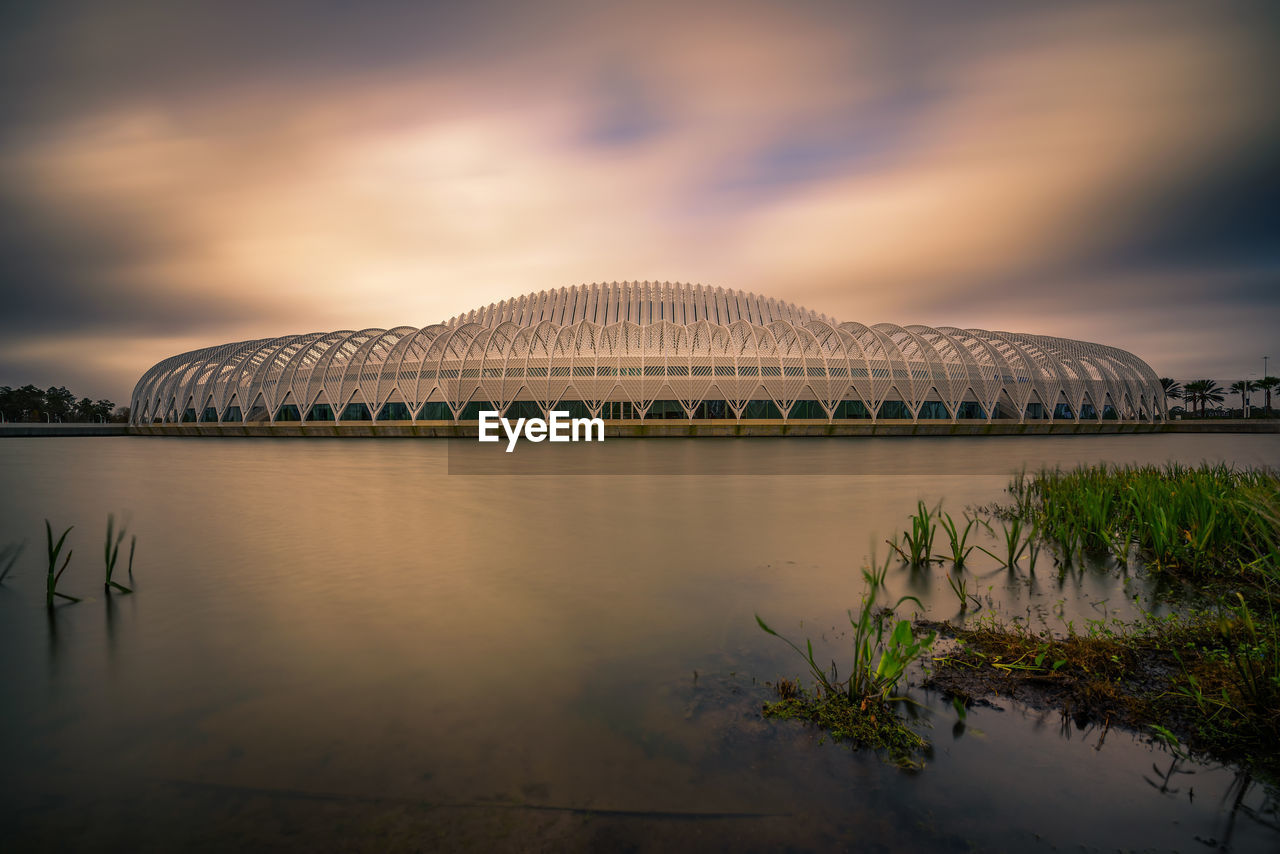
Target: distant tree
[(121, 415), (1242, 388), (22, 404), (59, 404), (1267, 384), (102, 409), (84, 409), (1191, 392), (1210, 392), (1172, 388)]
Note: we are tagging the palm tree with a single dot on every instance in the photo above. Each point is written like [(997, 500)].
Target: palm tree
[(1191, 392), (1267, 384), (1242, 388), (1210, 392), (1172, 388)]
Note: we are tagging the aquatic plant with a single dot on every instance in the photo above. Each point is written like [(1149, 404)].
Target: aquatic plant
[(1015, 542), (919, 540), (958, 539), (857, 708), (881, 655), (960, 587), (1201, 521), (111, 552), (54, 574)]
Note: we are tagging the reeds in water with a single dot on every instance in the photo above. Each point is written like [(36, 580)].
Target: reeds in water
[(54, 574), (111, 553)]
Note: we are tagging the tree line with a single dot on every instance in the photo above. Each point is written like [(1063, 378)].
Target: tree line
[(1200, 393), (55, 404)]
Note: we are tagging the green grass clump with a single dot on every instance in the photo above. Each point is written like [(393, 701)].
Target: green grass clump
[(858, 707), (869, 724), (917, 544), (1210, 677), (1197, 522)]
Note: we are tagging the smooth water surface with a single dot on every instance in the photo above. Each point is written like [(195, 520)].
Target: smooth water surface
[(337, 643)]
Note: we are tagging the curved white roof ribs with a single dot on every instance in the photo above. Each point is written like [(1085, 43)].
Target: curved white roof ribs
[(616, 348)]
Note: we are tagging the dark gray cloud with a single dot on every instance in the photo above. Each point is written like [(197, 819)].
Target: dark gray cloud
[(172, 173)]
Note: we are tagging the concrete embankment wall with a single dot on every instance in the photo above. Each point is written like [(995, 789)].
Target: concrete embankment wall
[(649, 429), (64, 430), (685, 428)]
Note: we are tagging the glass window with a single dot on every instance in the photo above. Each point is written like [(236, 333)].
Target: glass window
[(758, 409), (894, 409), (435, 411), (471, 412), (934, 410), (663, 409), (851, 409), (394, 412)]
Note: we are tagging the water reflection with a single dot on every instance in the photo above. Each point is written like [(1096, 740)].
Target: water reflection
[(337, 641)]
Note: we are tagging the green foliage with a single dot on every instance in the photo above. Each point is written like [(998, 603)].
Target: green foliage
[(868, 723), (918, 541), (1209, 520), (957, 539), (29, 403), (111, 552), (54, 574), (881, 654)]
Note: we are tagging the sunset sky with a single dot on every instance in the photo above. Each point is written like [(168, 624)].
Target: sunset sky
[(176, 175)]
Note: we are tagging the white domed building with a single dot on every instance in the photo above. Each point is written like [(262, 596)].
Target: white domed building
[(647, 351)]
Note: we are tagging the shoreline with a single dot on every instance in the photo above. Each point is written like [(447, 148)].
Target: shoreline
[(668, 428)]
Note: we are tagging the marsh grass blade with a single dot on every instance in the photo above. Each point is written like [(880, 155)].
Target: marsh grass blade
[(111, 553), (54, 575)]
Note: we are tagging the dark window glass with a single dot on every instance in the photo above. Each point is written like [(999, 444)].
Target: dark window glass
[(851, 409), (524, 409), (807, 409), (893, 409), (665, 409), (435, 411), (471, 412), (288, 412), (934, 410), (232, 414), (393, 412), (766, 409), (575, 408), (711, 409), (356, 412), (320, 412)]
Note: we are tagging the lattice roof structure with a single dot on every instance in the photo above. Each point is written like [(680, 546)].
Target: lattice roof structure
[(644, 350)]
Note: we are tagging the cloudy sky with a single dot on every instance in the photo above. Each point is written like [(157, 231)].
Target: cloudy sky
[(175, 175)]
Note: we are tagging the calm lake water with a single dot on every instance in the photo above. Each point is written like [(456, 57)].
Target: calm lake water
[(340, 644)]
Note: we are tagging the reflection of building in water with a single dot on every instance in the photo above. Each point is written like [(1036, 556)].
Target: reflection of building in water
[(651, 351)]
